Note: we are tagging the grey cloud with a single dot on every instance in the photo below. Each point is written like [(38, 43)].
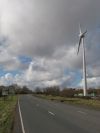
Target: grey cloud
[(41, 26), (48, 30)]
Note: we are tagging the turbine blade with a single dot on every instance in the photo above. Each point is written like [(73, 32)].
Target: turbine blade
[(85, 32), (79, 44), (80, 29)]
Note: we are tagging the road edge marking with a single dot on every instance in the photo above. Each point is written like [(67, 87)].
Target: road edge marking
[(20, 114)]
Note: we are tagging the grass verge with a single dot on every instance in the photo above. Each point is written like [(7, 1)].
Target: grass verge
[(90, 103), (7, 109)]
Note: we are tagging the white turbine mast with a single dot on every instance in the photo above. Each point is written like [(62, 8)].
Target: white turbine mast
[(81, 41)]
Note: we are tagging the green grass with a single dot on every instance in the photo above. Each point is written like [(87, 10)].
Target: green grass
[(7, 108), (90, 103)]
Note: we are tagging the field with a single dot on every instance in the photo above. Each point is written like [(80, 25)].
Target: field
[(7, 109), (90, 103)]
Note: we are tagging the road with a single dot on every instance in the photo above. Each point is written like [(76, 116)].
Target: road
[(43, 116)]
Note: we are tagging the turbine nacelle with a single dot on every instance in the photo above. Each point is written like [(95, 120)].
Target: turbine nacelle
[(82, 35)]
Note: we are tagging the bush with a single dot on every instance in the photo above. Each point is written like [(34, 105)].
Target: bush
[(67, 93), (83, 97)]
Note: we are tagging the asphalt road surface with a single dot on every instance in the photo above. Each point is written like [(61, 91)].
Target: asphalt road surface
[(42, 116)]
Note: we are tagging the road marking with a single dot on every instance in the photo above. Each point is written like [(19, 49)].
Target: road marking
[(82, 112), (20, 114), (51, 113)]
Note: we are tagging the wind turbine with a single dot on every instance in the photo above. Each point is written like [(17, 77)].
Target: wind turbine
[(81, 41)]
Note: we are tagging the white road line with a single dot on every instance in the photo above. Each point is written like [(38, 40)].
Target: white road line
[(51, 113), (82, 112), (22, 125)]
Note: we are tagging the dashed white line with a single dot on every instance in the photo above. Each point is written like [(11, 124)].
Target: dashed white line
[(82, 112), (20, 114), (51, 113)]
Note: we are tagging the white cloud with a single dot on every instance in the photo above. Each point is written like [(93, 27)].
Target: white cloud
[(34, 77), (91, 82), (47, 31)]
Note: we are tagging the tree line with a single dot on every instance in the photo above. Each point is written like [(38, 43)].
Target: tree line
[(66, 92), (14, 89), (52, 90)]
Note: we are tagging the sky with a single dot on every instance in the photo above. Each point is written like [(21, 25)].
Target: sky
[(39, 40)]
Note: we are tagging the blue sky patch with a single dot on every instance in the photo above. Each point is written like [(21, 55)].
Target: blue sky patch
[(24, 59)]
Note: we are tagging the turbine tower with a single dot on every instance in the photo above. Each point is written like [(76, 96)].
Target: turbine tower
[(81, 41)]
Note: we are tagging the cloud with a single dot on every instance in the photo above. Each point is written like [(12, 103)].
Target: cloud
[(6, 79), (38, 77), (92, 82), (47, 32), (41, 27)]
